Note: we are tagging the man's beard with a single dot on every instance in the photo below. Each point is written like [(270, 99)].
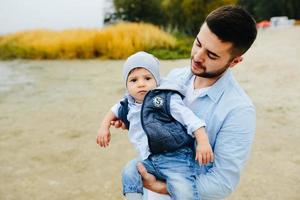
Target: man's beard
[(210, 74)]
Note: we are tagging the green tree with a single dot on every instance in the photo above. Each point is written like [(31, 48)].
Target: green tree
[(265, 9), (139, 10), (185, 16), (290, 8)]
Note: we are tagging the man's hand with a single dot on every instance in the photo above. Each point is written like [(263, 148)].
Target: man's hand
[(150, 182)]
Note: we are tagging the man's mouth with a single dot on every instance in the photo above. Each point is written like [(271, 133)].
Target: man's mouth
[(197, 65)]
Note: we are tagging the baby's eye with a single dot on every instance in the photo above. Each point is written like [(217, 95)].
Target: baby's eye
[(148, 78), (133, 80)]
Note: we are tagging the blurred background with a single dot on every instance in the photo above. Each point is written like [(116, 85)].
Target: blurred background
[(114, 29), (16, 15), (60, 71)]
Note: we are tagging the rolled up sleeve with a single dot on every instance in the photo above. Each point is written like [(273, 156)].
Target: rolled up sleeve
[(231, 151)]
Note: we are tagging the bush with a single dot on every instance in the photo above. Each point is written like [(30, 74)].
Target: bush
[(124, 39), (114, 42), (182, 49)]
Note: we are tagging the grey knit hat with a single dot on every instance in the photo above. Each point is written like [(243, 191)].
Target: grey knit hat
[(144, 60)]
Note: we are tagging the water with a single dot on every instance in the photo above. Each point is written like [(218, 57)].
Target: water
[(12, 74)]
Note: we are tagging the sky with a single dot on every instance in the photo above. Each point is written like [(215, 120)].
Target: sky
[(19, 15)]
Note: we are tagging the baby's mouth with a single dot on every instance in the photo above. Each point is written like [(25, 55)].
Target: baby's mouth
[(142, 91)]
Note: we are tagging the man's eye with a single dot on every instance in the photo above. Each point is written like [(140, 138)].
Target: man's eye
[(211, 56), (198, 44)]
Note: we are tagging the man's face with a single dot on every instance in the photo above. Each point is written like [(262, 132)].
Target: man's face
[(210, 57)]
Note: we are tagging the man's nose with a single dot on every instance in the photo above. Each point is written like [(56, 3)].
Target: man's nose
[(199, 55)]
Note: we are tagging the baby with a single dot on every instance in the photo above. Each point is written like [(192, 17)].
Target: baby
[(161, 128)]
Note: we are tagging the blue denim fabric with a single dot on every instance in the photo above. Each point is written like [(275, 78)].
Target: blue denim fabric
[(131, 179), (176, 168)]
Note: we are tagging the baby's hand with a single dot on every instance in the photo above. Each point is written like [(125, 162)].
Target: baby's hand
[(103, 137), (117, 123), (204, 153)]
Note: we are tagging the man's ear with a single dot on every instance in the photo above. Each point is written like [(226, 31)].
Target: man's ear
[(236, 61)]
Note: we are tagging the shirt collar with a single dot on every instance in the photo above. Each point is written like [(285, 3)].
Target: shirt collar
[(217, 89), (129, 97)]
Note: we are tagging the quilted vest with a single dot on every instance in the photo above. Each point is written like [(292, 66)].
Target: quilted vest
[(164, 133)]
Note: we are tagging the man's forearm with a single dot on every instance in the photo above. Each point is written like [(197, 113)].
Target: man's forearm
[(150, 182), (158, 187)]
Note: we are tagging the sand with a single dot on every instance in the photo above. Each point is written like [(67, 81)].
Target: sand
[(51, 110)]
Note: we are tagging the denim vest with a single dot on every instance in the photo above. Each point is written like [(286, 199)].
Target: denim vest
[(164, 133)]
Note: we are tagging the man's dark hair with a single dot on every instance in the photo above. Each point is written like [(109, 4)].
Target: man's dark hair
[(233, 24)]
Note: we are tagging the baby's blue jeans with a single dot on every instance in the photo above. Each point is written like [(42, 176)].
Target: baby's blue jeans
[(176, 168)]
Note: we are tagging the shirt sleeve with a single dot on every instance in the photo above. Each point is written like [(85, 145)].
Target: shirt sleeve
[(184, 115), (231, 150), (115, 109)]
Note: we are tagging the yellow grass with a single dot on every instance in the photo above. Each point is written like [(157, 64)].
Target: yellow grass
[(116, 42)]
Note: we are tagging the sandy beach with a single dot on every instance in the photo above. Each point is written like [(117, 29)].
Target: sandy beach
[(51, 110)]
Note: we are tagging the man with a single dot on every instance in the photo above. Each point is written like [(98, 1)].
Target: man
[(215, 96)]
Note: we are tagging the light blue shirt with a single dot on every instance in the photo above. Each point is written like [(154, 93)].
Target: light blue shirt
[(178, 110), (230, 124)]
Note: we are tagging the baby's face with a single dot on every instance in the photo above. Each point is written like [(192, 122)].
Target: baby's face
[(139, 82)]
